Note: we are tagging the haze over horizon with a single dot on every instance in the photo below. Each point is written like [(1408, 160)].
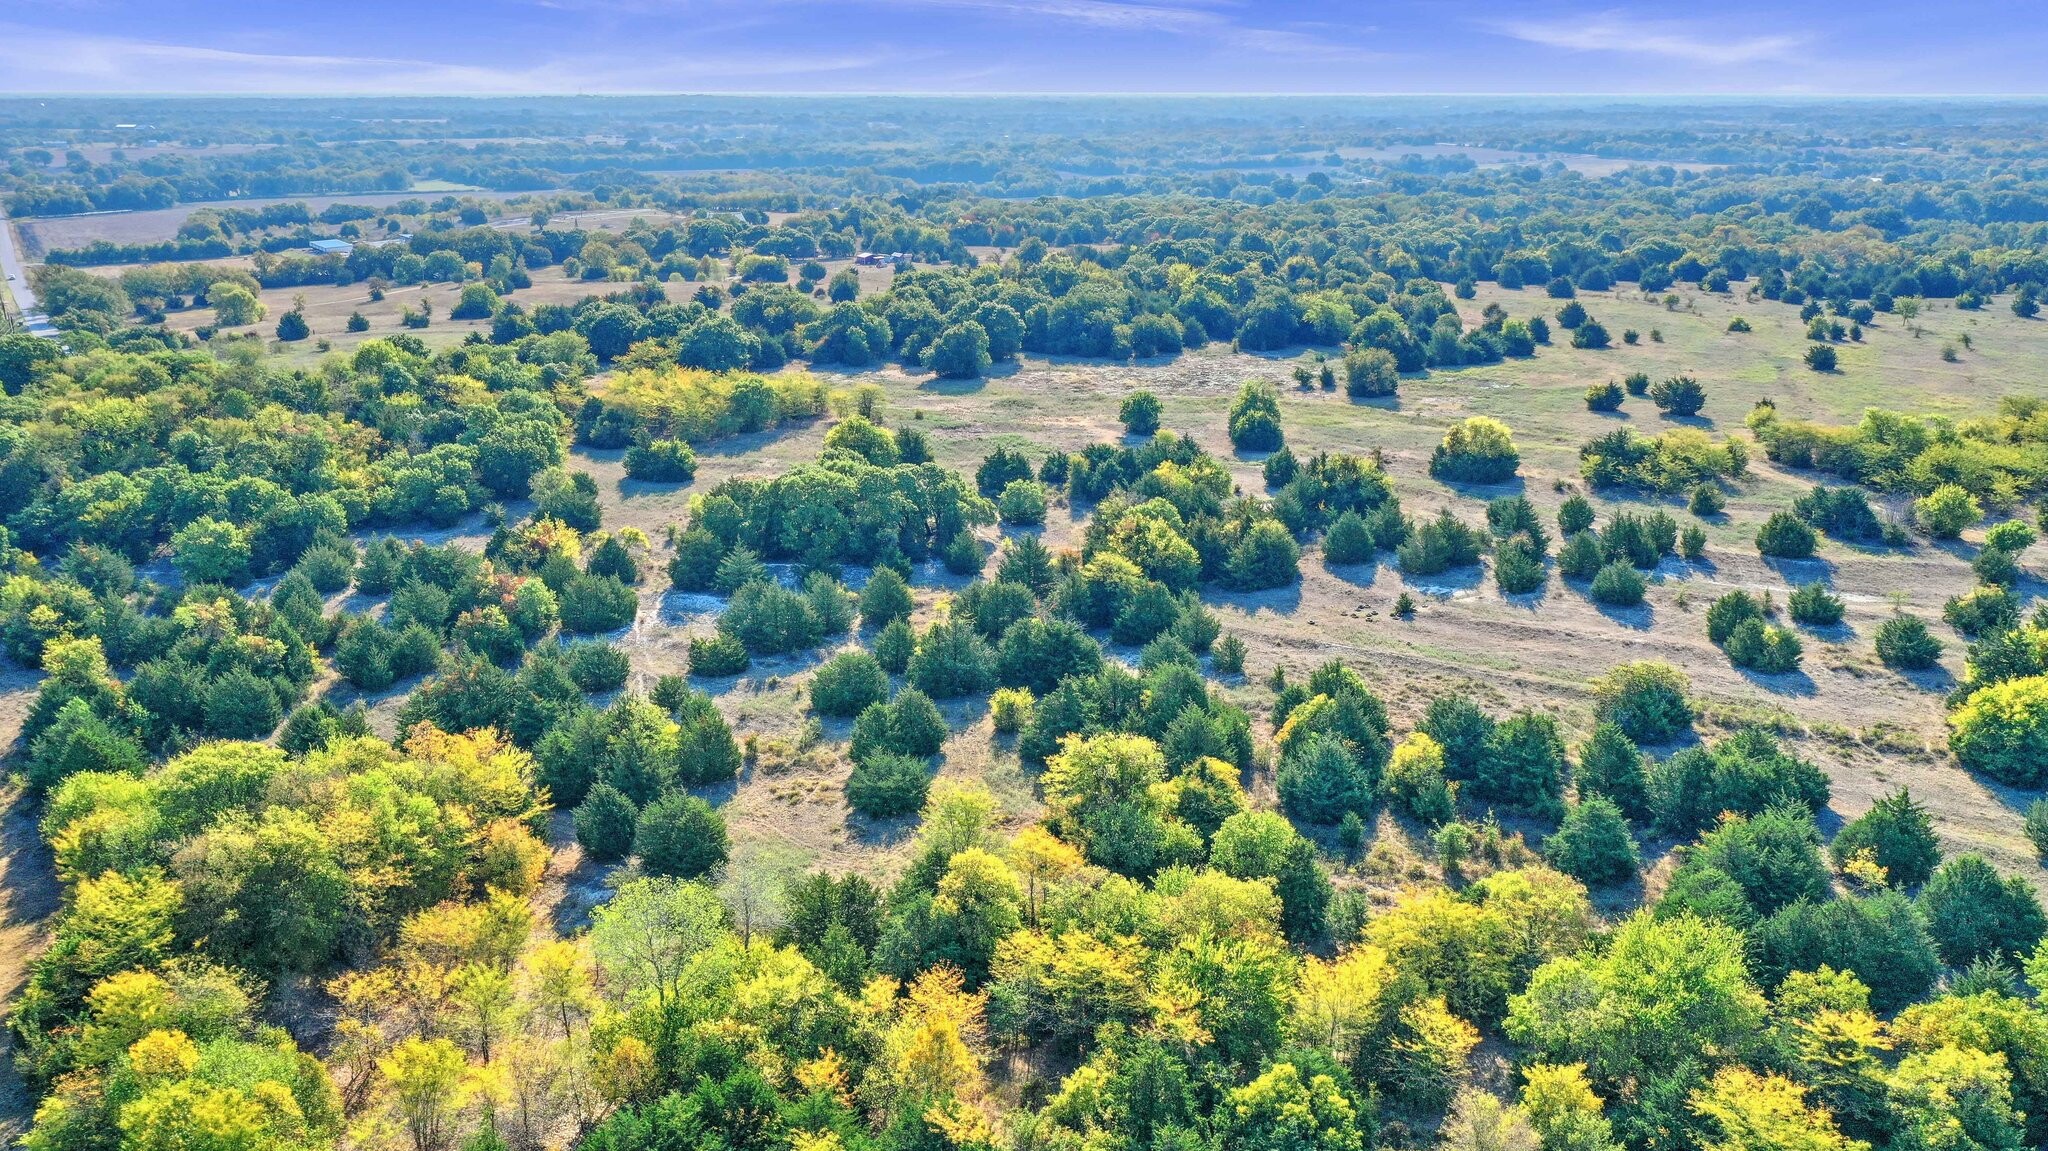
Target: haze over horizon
[(1973, 47)]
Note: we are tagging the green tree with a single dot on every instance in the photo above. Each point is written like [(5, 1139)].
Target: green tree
[(847, 684), (1944, 512), (1785, 536), (1593, 844), (1904, 642), (680, 835), (1663, 992), (960, 353), (1646, 700), (1898, 834), (1321, 781), (1140, 413), (1611, 765), (2002, 731), (605, 822), (1284, 1110), (885, 599), (1973, 912), (234, 305)]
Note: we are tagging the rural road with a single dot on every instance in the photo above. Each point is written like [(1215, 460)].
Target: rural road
[(17, 282)]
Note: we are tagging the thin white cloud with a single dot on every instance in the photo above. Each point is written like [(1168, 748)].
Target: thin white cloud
[(38, 61), (1621, 33), (1207, 21), (1096, 13)]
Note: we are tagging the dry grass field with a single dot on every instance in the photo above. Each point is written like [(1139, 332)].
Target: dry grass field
[(1872, 728), (39, 236)]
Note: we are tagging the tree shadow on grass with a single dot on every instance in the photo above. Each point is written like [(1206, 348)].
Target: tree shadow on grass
[(1935, 679), (1637, 618), (1512, 486), (1793, 683), (741, 444), (879, 832), (1802, 571), (1280, 600), (1445, 585), (1361, 575), (938, 387)]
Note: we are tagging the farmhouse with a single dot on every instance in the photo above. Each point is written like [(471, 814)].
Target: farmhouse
[(331, 247)]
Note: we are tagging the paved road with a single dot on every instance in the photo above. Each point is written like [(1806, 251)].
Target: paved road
[(17, 282)]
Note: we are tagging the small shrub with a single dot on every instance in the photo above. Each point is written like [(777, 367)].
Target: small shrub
[(1227, 656), (662, 462), (895, 645), (1476, 450), (1647, 700), (848, 684), (1991, 608), (718, 655), (1517, 569), (1730, 612), (1371, 373), (1415, 781), (1618, 585), (1944, 512), (1254, 423), (1785, 536), (1812, 604), (1692, 543), (1022, 503), (1705, 501), (2010, 535), (1996, 567), (1574, 516), (1439, 545), (1348, 541), (2002, 731), (1010, 709), (680, 835), (596, 666), (1820, 357), (593, 604), (885, 599), (1738, 324), (1763, 647), (1140, 413), (1637, 383), (605, 821), (2037, 827), (1581, 557), (884, 785), (963, 554), (1679, 396), (1603, 397), (1593, 844), (1904, 642)]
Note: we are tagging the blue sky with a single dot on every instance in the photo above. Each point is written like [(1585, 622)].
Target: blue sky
[(596, 46)]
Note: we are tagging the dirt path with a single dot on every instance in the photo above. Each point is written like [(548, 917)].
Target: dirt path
[(28, 896)]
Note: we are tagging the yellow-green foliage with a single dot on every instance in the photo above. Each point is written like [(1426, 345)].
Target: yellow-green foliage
[(697, 405)]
